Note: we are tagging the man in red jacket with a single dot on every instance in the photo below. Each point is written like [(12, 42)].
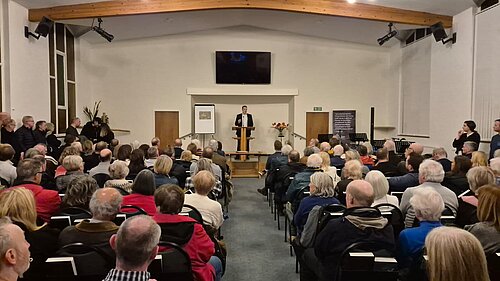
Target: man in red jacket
[(29, 175)]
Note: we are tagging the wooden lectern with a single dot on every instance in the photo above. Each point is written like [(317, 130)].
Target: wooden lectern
[(243, 138)]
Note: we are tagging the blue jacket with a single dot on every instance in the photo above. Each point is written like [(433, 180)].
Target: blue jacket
[(401, 183), (300, 180), (412, 240), (306, 206)]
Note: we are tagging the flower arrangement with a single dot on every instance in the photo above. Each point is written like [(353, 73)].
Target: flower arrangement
[(280, 126)]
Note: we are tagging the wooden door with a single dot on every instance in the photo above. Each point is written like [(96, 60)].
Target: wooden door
[(316, 123), (166, 127)]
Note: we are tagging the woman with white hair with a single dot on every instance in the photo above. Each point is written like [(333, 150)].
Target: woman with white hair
[(428, 206), (322, 191), (351, 171), (329, 170), (118, 172), (380, 189)]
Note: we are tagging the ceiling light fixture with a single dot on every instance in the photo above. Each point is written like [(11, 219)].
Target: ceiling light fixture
[(381, 41), (42, 29), (351, 1), (102, 32)]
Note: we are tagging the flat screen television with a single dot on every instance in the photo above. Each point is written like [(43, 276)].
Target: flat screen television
[(234, 67)]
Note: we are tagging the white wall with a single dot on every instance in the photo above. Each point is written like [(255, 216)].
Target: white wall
[(29, 67), (134, 78)]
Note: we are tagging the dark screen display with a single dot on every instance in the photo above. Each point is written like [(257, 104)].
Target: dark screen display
[(243, 67)]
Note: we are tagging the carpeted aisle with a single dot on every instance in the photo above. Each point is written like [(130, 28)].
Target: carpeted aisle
[(256, 248)]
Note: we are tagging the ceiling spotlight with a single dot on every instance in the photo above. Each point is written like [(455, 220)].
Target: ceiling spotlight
[(42, 29), (440, 34), (102, 32), (381, 41)]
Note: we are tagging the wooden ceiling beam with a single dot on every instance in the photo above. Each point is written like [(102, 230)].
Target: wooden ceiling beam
[(322, 7)]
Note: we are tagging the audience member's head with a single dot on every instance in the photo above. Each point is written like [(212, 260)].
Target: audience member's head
[(495, 165), (193, 148), (479, 176), (453, 253), (197, 143), (314, 161), (105, 204), (286, 149), (208, 153), (353, 170), (28, 121), (322, 185), (427, 203), (362, 150), (469, 126), (42, 148), (338, 150), (114, 143), (6, 152), (77, 145), (313, 142), (488, 208), (379, 183), (69, 139), (29, 170), (169, 199), (144, 147), (73, 163), (479, 158), (413, 161), (87, 147), (369, 147), (324, 146), (76, 122), (430, 171), (163, 165), (155, 141), (469, 147), (50, 128), (105, 155), (136, 159), (177, 143), (152, 152), (79, 192), (352, 155), (382, 155), (415, 147), (439, 153), (277, 145), (203, 182), (19, 204), (118, 170), (100, 146), (460, 165), (144, 183), (325, 160), (294, 156), (136, 243), (308, 151), (9, 124), (124, 152), (333, 141), (205, 164), (390, 145), (14, 250), (214, 144), (68, 151), (186, 155), (359, 193), (31, 153)]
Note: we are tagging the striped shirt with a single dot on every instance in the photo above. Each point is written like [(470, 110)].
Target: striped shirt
[(120, 275)]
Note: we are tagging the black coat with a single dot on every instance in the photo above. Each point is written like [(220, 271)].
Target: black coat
[(475, 137), (238, 122), (40, 136), (25, 138)]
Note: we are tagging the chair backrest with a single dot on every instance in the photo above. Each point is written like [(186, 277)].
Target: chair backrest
[(132, 210), (91, 261), (448, 217), (394, 215), (122, 191), (4, 182), (301, 194), (60, 222), (101, 179), (398, 194), (74, 214), (173, 263), (192, 212), (494, 265), (328, 213), (59, 269)]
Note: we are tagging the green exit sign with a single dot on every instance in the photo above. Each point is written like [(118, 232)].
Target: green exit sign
[(317, 108)]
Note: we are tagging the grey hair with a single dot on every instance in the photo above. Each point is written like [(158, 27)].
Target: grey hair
[(338, 150), (431, 170), (314, 161), (285, 150), (390, 145), (136, 240), (118, 170), (439, 151), (308, 151), (479, 176), (379, 183), (105, 210), (4, 235), (472, 145), (204, 164), (214, 144), (427, 203), (80, 191), (31, 153), (324, 185)]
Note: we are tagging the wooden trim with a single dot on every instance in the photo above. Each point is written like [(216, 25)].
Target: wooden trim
[(323, 7)]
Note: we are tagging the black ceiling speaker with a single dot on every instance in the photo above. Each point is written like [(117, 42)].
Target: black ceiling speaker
[(440, 34), (42, 29)]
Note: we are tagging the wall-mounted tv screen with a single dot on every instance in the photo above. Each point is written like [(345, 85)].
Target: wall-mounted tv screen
[(232, 67)]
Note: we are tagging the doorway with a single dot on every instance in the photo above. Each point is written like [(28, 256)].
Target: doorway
[(316, 123), (166, 127)]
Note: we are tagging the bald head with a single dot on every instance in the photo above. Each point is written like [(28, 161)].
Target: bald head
[(416, 147), (178, 143), (359, 193), (105, 155), (324, 146), (390, 145), (105, 204)]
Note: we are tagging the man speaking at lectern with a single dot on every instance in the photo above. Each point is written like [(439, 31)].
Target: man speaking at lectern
[(244, 119)]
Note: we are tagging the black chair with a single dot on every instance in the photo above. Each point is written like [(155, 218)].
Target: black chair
[(192, 212), (60, 222), (4, 183), (91, 262), (101, 179), (60, 269), (122, 191), (171, 264), (395, 217), (398, 194), (493, 260), (132, 210), (73, 213)]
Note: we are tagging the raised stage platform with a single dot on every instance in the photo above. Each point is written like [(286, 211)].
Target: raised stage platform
[(249, 168)]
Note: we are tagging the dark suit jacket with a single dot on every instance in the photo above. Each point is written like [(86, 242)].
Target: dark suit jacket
[(238, 122)]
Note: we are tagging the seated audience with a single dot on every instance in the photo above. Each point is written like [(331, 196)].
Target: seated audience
[(143, 189), (72, 128), (428, 206), (73, 165), (180, 168), (178, 148), (456, 179), (410, 179), (29, 176), (185, 231), (322, 190), (136, 246), (60, 170), (105, 134), (307, 152), (218, 159), (210, 210), (136, 163), (104, 205), (162, 168), (326, 168), (431, 174), (194, 152), (220, 151), (51, 162), (14, 252), (53, 143), (19, 205), (359, 223), (487, 230), (455, 255), (467, 204), (92, 159), (303, 179), (479, 158), (336, 159), (351, 171), (151, 156), (468, 148), (440, 155), (394, 159), (118, 172), (380, 187), (204, 164), (7, 169), (274, 160), (383, 165), (79, 192), (281, 179), (155, 142), (365, 158), (105, 161), (124, 153)]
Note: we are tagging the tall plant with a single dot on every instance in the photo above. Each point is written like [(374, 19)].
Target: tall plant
[(91, 114)]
